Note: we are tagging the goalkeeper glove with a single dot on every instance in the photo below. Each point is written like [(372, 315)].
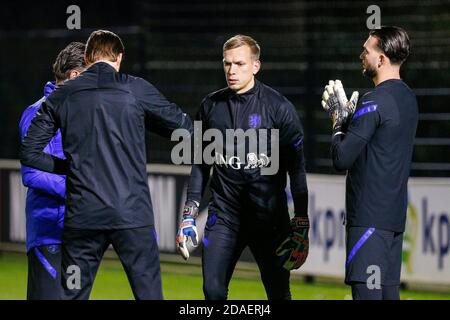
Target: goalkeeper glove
[(294, 249), (187, 231), (334, 101)]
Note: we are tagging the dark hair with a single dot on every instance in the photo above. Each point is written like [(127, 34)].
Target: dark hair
[(393, 42), (103, 44), (70, 58), (243, 40)]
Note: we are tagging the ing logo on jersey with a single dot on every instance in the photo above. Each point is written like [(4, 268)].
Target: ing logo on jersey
[(234, 162)]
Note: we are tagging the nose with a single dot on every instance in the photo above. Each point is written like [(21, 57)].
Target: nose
[(232, 69), (361, 56)]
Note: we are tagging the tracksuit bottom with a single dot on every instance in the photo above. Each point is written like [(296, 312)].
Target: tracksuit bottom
[(44, 273), (82, 252), (223, 244)]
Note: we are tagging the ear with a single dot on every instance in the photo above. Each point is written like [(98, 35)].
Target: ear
[(74, 73), (119, 60), (382, 59), (256, 66)]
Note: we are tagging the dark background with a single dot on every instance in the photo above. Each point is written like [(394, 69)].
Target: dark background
[(177, 46)]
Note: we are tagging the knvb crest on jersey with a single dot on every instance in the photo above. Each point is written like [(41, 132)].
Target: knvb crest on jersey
[(254, 120)]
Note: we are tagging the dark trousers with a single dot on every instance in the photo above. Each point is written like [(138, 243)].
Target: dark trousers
[(223, 244), (44, 273), (82, 251), (360, 291)]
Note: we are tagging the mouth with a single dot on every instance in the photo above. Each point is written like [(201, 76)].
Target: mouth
[(232, 81)]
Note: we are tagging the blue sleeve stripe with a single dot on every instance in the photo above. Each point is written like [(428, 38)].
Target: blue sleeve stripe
[(298, 142), (360, 112), (359, 244), (45, 263)]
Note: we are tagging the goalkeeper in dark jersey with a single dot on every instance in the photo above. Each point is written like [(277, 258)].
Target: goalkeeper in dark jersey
[(375, 144), (248, 207)]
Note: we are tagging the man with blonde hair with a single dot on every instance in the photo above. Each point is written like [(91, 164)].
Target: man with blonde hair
[(247, 207), (103, 115)]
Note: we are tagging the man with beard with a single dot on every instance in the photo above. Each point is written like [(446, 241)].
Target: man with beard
[(375, 144)]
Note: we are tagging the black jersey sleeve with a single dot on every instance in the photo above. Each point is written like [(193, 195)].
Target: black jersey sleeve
[(162, 116), (366, 118), (346, 146), (291, 149), (200, 173)]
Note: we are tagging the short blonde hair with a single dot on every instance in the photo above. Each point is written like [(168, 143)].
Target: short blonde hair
[(243, 40)]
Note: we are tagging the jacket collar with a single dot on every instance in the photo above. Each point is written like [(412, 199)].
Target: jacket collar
[(49, 88), (102, 66), (248, 93)]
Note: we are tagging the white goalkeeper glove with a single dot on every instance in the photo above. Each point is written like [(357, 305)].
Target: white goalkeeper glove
[(335, 102), (187, 231)]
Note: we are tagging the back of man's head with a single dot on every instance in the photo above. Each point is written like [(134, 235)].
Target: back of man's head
[(71, 58), (393, 42), (103, 45)]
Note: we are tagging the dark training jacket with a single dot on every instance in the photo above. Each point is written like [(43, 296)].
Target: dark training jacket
[(102, 115), (237, 184)]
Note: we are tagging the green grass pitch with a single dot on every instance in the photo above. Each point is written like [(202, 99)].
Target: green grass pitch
[(180, 282)]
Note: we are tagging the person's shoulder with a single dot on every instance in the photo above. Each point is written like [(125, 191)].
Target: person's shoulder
[(35, 106), (58, 95), (372, 99), (392, 87), (219, 95), (68, 87), (368, 103), (277, 104), (382, 100), (273, 96), (213, 98), (137, 84), (371, 95), (29, 112), (386, 93), (401, 85), (133, 79), (63, 91)]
